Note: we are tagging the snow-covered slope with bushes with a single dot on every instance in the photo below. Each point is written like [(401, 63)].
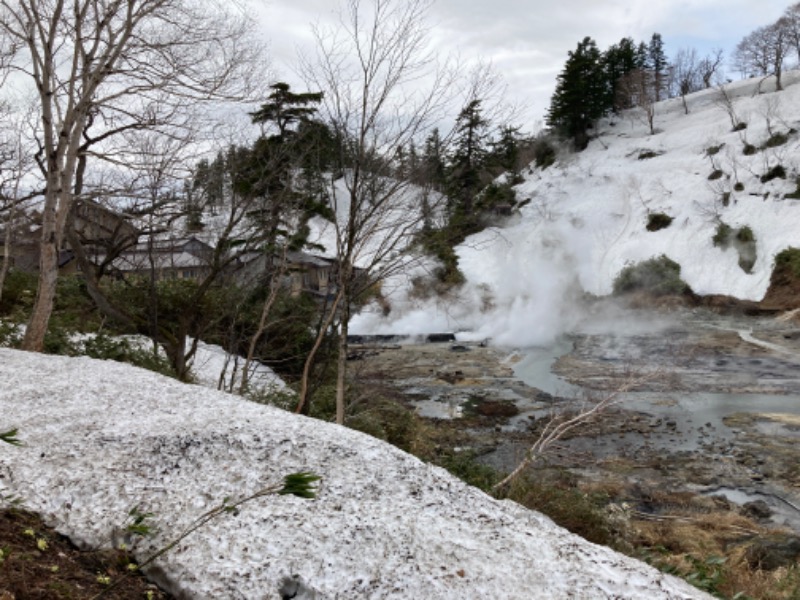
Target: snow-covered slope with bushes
[(588, 214), (101, 438)]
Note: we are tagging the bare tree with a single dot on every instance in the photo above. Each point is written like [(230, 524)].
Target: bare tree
[(110, 66), (686, 74), (792, 24), (763, 52), (726, 102), (15, 166), (381, 92), (636, 89), (708, 67)]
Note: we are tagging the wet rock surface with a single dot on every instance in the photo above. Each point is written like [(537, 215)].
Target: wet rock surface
[(721, 413)]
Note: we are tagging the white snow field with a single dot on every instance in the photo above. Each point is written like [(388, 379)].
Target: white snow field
[(102, 437), (587, 216)]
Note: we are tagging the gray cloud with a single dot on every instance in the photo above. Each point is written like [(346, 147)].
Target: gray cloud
[(528, 41)]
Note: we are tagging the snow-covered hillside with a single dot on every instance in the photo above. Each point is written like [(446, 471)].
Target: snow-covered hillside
[(103, 437), (587, 217)]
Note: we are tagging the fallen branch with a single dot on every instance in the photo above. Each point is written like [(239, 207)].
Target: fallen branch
[(558, 427)]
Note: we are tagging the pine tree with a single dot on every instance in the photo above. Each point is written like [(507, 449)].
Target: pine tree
[(658, 64), (619, 60), (505, 149), (581, 94), (433, 168), (284, 108), (464, 175)]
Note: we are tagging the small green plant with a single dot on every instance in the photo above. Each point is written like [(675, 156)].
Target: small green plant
[(10, 437), (658, 276), (774, 173), (139, 523), (706, 574), (658, 221)]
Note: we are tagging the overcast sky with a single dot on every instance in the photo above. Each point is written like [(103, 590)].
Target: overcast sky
[(528, 40)]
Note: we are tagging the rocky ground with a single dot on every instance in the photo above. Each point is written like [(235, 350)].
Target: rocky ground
[(715, 421)]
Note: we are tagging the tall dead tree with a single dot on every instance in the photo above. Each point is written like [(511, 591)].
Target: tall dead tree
[(109, 66), (382, 91)]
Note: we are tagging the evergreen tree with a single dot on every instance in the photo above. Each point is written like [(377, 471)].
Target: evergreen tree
[(284, 108), (432, 170), (658, 64), (505, 149), (619, 60), (580, 97), (464, 175)]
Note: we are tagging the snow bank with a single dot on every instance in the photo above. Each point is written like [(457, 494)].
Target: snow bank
[(102, 437)]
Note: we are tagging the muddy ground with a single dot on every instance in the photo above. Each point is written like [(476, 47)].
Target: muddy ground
[(749, 458)]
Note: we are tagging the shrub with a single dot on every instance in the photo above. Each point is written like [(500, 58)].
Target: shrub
[(464, 466), (559, 498), (726, 199), (740, 126), (749, 150), (10, 334), (657, 221), (742, 239), (738, 186), (795, 195), (723, 235), (495, 196), (712, 150), (388, 420), (646, 154), (790, 260), (544, 152), (776, 139), (774, 173), (659, 276), (745, 235), (120, 349), (19, 290), (715, 174)]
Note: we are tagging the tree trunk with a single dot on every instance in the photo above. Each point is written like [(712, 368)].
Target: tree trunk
[(48, 278), (341, 365), (302, 402), (7, 250)]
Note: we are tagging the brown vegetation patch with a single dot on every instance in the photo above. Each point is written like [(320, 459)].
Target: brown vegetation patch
[(37, 562)]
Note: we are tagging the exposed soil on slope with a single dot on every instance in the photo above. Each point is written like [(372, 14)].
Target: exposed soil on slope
[(784, 290), (36, 562)]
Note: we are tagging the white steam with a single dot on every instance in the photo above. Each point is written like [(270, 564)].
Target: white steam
[(522, 290)]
